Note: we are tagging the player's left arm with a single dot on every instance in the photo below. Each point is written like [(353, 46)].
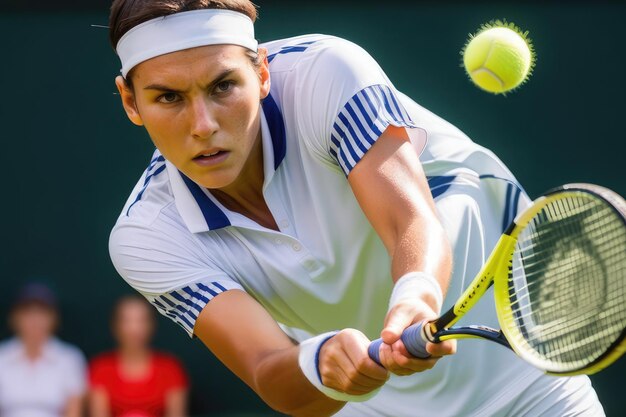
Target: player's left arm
[(391, 188)]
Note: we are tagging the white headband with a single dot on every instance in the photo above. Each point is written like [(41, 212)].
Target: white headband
[(184, 30)]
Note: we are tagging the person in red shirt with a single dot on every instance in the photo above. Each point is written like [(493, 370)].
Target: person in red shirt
[(134, 380)]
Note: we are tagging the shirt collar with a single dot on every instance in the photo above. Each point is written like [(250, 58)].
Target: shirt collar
[(200, 211)]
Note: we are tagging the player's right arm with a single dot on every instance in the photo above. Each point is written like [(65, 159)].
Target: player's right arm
[(248, 341)]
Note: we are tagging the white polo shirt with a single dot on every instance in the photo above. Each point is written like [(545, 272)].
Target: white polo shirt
[(39, 388), (326, 268)]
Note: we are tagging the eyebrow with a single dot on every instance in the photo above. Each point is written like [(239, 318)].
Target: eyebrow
[(217, 80)]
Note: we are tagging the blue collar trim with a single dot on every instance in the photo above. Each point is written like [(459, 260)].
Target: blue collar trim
[(214, 217), (276, 126)]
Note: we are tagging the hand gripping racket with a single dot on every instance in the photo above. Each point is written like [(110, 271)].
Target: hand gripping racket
[(559, 278)]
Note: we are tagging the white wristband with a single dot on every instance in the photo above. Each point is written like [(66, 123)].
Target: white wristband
[(308, 359), (413, 286)]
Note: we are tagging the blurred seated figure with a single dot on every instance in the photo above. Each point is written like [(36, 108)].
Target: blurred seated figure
[(40, 376), (134, 380)]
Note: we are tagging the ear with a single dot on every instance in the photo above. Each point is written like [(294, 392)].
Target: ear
[(264, 73), (128, 100)]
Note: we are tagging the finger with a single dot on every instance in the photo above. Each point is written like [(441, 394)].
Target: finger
[(341, 363), (408, 365), (337, 372), (398, 319), (385, 357), (400, 364), (356, 350), (400, 347), (340, 381), (447, 347)]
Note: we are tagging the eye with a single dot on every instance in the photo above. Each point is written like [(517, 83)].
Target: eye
[(223, 86), (168, 98)]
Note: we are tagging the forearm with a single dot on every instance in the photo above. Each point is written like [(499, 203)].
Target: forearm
[(282, 385), (422, 246), (249, 342)]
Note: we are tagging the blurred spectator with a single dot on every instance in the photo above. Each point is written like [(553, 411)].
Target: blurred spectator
[(40, 376), (134, 380)]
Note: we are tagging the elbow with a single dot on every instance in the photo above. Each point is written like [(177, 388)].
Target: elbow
[(304, 410), (283, 401)]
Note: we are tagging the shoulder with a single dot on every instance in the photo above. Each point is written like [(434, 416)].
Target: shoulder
[(8, 348), (68, 352), (103, 368), (152, 194), (103, 365), (150, 235), (147, 227), (151, 212), (170, 369), (167, 360), (292, 53), (103, 360)]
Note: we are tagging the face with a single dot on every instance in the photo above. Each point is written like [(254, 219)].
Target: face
[(201, 107), (133, 325), (34, 323)]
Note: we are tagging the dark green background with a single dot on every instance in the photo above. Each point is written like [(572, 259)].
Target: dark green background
[(70, 157)]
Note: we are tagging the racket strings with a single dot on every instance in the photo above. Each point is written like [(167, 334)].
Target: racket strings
[(567, 281)]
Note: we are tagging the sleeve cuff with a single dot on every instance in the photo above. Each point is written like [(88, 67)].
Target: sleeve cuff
[(362, 121)]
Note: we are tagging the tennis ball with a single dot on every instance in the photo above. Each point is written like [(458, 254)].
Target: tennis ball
[(499, 57)]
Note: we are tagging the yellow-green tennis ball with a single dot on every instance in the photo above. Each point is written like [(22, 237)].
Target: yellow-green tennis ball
[(499, 57)]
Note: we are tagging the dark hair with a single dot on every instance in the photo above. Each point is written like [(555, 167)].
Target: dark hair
[(126, 14)]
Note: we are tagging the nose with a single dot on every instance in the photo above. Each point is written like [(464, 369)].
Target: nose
[(203, 120)]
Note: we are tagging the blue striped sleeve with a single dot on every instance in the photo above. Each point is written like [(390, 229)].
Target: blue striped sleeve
[(362, 121), (183, 306)]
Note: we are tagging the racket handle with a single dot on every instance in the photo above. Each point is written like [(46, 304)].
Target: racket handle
[(413, 338), (374, 350)]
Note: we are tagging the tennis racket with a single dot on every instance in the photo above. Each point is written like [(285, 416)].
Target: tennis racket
[(559, 278)]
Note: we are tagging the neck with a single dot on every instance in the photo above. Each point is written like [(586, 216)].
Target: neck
[(245, 195), (134, 352), (33, 350)]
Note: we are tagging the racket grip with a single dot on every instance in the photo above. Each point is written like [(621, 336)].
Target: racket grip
[(413, 339), (374, 350)]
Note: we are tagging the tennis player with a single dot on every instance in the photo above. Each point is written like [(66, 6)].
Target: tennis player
[(297, 205)]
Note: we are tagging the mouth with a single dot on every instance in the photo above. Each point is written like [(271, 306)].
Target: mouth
[(211, 156)]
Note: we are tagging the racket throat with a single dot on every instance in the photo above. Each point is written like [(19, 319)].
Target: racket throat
[(439, 330), (471, 332)]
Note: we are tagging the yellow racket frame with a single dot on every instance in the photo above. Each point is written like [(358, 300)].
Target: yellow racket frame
[(503, 258), (496, 271)]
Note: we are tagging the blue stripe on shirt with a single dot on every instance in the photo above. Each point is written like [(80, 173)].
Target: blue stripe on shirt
[(300, 47), (184, 305), (361, 122), (147, 180)]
